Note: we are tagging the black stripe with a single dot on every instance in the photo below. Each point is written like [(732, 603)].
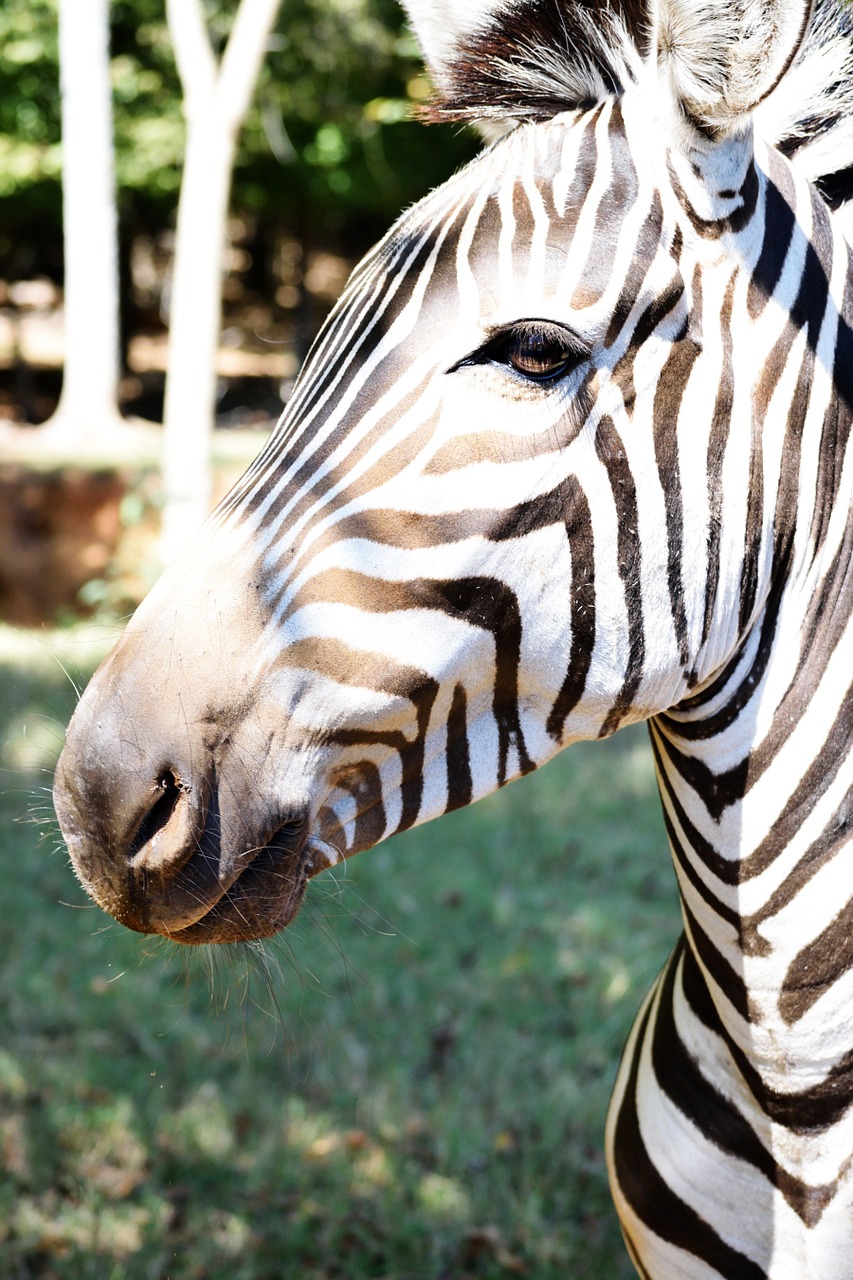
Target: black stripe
[(582, 606), (717, 722), (361, 779), (680, 1077), (411, 753), (611, 454), (779, 223), (717, 791), (723, 912), (648, 244), (836, 432), (459, 785), (820, 964), (809, 1112), (834, 837), (669, 394), (487, 603), (654, 1201), (408, 530), (718, 440), (725, 978)]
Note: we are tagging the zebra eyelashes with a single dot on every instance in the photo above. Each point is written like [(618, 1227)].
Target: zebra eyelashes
[(539, 351)]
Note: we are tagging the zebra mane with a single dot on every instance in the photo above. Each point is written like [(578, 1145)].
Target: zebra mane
[(537, 58)]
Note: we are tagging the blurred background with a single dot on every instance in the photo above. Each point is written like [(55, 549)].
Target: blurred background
[(326, 156), (411, 1082)]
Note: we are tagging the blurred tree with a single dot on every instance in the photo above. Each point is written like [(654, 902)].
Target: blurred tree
[(326, 145), (216, 98), (326, 157), (88, 405)]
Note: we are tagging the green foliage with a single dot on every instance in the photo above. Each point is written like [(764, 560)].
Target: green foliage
[(327, 138), (149, 127), (29, 103), (331, 131), (29, 127), (418, 1093)]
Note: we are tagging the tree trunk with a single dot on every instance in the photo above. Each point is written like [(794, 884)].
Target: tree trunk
[(88, 406), (194, 325), (216, 98)]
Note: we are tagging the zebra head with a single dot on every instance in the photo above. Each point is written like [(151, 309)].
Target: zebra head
[(489, 522)]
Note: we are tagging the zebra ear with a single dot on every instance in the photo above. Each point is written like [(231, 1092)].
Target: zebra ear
[(442, 27), (722, 59)]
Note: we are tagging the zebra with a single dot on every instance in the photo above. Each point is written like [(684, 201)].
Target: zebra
[(571, 452)]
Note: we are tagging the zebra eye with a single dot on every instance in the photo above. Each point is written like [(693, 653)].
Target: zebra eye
[(539, 353), (537, 350)]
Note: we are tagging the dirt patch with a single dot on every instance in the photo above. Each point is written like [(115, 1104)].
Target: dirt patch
[(81, 535), (59, 529)]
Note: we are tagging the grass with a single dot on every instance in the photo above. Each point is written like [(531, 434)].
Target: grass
[(410, 1083)]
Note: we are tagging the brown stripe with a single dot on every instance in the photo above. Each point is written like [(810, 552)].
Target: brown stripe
[(717, 444), (819, 965), (611, 454)]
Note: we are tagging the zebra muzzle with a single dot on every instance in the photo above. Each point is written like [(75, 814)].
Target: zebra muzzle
[(188, 844)]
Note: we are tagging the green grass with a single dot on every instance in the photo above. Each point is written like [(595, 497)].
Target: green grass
[(417, 1087)]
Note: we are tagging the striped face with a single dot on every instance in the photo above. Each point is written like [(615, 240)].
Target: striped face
[(451, 516), (460, 551)]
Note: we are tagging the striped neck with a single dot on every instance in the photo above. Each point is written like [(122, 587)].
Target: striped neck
[(756, 779)]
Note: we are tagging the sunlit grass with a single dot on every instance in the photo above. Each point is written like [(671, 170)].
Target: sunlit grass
[(410, 1083)]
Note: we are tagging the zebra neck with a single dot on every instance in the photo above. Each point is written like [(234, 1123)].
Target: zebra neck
[(756, 780), (737, 1080)]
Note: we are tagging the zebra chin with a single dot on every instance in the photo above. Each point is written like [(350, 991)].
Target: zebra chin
[(264, 898)]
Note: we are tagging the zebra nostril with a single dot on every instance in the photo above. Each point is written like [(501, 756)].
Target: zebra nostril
[(169, 794)]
